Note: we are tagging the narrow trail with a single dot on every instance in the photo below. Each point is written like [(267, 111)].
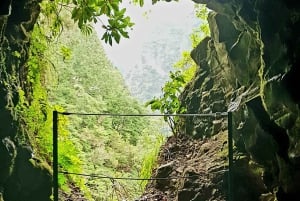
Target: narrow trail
[(204, 163)]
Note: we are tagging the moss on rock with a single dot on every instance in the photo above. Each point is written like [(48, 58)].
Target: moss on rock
[(31, 179)]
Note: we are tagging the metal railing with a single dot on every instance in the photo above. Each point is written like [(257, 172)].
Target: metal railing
[(216, 115)]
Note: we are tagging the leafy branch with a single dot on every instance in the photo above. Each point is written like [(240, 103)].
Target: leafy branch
[(118, 23), (87, 12), (169, 102)]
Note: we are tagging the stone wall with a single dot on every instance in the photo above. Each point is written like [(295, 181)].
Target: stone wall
[(250, 66), (21, 176)]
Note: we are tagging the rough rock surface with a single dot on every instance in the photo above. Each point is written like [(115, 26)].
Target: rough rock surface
[(195, 170), (249, 66), (21, 177)]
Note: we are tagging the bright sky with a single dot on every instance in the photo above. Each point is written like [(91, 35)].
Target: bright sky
[(147, 19)]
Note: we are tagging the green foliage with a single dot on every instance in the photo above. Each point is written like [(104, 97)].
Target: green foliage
[(203, 30), (111, 146), (33, 106), (141, 2), (84, 87), (50, 19), (187, 66), (113, 18), (169, 102), (186, 63), (86, 13), (35, 113), (150, 159), (66, 52), (117, 27)]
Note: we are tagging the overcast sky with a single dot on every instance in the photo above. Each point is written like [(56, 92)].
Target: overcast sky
[(146, 19)]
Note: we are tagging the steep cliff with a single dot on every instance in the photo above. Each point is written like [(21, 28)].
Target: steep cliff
[(249, 65), (17, 167)]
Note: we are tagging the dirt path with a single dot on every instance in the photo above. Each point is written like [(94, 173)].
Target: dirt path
[(198, 169)]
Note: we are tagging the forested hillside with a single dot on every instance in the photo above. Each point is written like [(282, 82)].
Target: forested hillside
[(61, 69), (146, 59), (86, 82), (248, 67), (151, 69)]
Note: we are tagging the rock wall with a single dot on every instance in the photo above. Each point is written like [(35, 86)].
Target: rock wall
[(250, 66), (21, 176)]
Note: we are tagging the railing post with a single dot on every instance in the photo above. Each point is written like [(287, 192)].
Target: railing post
[(230, 157), (55, 155)]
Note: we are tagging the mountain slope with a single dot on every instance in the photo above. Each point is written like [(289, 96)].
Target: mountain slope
[(107, 146), (247, 66)]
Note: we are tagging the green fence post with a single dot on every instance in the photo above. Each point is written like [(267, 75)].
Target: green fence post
[(55, 156), (230, 157)]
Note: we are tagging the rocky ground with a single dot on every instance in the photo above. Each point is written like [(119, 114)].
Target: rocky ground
[(75, 194), (193, 169), (197, 170)]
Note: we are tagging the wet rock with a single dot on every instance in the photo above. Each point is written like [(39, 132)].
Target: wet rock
[(31, 179), (7, 160), (162, 172), (249, 65)]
